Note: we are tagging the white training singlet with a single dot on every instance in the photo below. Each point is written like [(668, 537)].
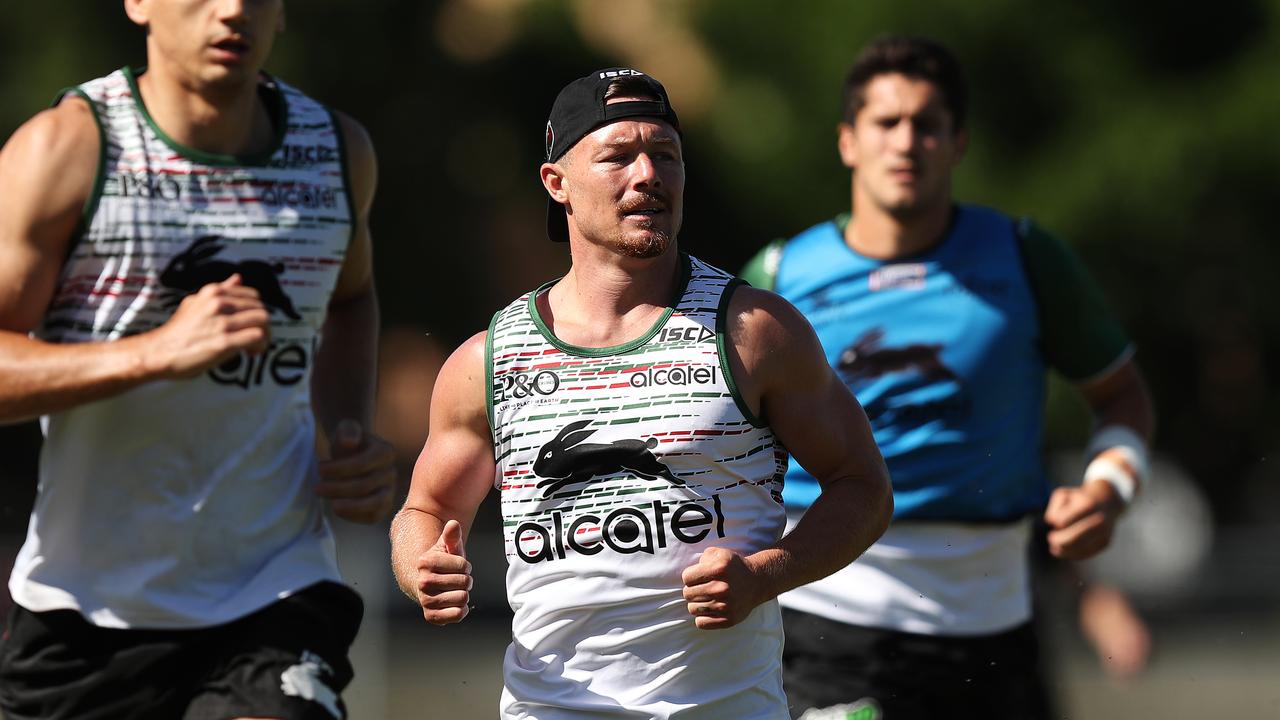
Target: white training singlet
[(189, 503), (617, 467)]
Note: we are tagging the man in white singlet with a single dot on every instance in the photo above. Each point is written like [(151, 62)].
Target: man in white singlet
[(636, 417), (177, 241)]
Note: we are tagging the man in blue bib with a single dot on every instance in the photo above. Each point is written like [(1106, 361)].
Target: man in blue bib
[(943, 319)]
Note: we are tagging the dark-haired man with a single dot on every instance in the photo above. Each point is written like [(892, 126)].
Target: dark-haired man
[(943, 319), (175, 241), (633, 416)]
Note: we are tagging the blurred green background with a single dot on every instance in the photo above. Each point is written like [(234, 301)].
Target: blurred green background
[(1145, 135)]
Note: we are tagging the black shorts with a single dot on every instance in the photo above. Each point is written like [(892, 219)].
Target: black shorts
[(869, 674), (287, 660)]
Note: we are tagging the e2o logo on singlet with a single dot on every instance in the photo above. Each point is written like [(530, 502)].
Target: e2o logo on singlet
[(518, 386)]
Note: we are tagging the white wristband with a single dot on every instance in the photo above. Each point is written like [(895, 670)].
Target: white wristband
[(1104, 468), (1123, 441)]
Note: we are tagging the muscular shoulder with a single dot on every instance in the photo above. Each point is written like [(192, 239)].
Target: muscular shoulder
[(362, 174), (772, 342), (470, 355), (362, 162), (57, 150), (764, 322), (460, 391), (47, 172), (69, 124), (1082, 337)]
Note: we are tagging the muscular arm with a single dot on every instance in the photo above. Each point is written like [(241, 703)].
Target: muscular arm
[(785, 379), (47, 171), (359, 478), (1082, 519), (1121, 398), (452, 476), (823, 427), (1081, 338), (344, 379)]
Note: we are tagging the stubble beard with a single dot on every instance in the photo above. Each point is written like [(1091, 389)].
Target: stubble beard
[(649, 244), (646, 239)]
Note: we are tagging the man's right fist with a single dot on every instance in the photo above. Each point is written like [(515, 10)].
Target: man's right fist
[(211, 326), (444, 578)]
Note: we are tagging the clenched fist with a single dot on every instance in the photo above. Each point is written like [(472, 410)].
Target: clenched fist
[(359, 480), (210, 327), (721, 589), (1082, 519)]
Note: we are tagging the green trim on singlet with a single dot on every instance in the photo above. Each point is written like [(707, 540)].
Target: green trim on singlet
[(686, 270), (100, 175), (488, 374), (340, 137), (1079, 334), (722, 336), (279, 113)]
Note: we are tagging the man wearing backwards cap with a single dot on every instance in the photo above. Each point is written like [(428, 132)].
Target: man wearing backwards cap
[(636, 416)]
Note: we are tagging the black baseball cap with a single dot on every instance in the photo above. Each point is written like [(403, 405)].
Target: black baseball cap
[(580, 108)]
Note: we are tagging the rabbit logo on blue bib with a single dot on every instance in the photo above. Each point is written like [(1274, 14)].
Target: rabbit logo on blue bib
[(865, 359), (907, 384)]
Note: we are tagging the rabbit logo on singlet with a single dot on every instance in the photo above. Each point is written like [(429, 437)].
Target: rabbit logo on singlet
[(196, 267), (565, 459), (866, 360)]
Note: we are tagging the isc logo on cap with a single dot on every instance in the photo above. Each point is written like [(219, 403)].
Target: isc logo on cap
[(619, 73)]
